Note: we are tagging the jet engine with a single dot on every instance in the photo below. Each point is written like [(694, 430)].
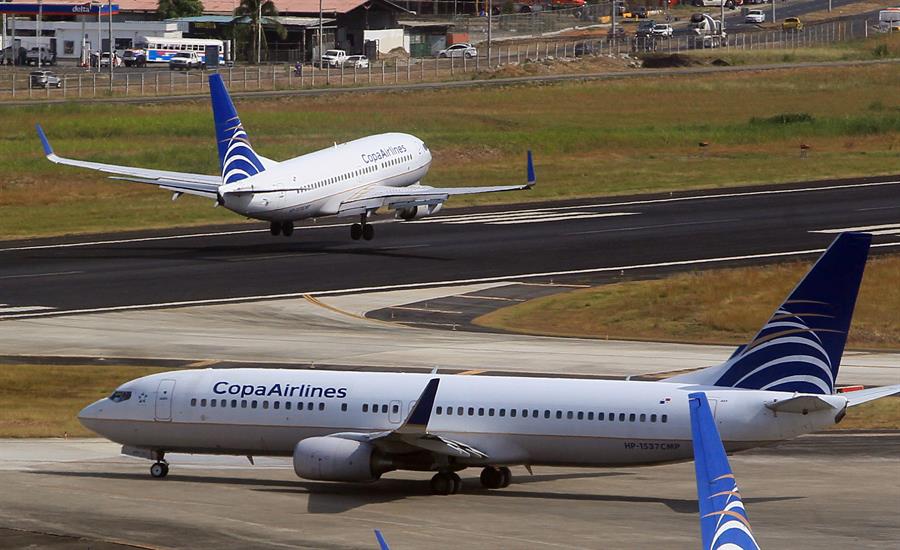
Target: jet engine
[(338, 459), (416, 212)]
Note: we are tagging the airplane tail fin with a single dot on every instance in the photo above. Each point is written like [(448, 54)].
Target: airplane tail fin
[(723, 519), (799, 348), (237, 159)]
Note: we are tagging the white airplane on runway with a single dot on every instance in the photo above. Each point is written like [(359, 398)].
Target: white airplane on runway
[(350, 179), (356, 426)]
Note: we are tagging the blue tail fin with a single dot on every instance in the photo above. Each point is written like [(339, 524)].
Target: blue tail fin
[(799, 349), (237, 159), (382, 544), (723, 519)]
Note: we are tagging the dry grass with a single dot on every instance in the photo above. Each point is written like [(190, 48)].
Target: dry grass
[(44, 400), (716, 306), (882, 414)]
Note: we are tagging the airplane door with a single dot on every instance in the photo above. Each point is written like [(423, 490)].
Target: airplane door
[(395, 413), (164, 396)]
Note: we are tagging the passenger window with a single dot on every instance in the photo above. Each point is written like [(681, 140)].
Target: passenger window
[(265, 404), (502, 412), (459, 411), (276, 405), (558, 415), (580, 415), (212, 402), (643, 417), (569, 415), (599, 416), (243, 403), (471, 411), (395, 409), (203, 402), (253, 404), (450, 411), (512, 413), (546, 413), (374, 408), (223, 403), (621, 417), (490, 412), (234, 403), (310, 405), (438, 410), (631, 417), (612, 417), (652, 418), (664, 418), (287, 405), (534, 413), (194, 402), (480, 411), (365, 407), (343, 407), (322, 406), (384, 409)]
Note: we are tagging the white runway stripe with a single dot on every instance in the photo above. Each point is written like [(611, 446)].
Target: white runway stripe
[(485, 217), (22, 309), (883, 229), (565, 217)]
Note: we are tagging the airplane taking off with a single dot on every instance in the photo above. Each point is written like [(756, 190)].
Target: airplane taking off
[(356, 426), (723, 518), (349, 179)]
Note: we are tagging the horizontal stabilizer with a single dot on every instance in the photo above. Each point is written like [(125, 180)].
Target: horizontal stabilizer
[(862, 396), (801, 404)]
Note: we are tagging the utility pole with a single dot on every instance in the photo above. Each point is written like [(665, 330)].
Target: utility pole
[(490, 16), (99, 37), (773, 11), (722, 30), (259, 31), (111, 47), (38, 32), (615, 9), (319, 54)]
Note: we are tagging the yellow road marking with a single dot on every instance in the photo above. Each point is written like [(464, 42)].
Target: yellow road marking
[(473, 371)]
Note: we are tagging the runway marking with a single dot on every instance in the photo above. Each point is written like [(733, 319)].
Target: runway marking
[(22, 309), (656, 226), (883, 229), (429, 310), (315, 301), (470, 372), (380, 288), (878, 208), (580, 207), (203, 363), (474, 297), (33, 275), (564, 217)]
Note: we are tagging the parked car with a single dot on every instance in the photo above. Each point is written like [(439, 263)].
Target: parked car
[(662, 29), (45, 79), (357, 62), (185, 61), (333, 58), (104, 59), (755, 16), (645, 28), (462, 49), (134, 58), (792, 24), (47, 57)]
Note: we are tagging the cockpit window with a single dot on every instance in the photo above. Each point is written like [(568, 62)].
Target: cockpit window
[(119, 396)]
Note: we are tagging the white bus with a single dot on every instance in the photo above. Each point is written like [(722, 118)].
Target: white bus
[(161, 49), (889, 20)]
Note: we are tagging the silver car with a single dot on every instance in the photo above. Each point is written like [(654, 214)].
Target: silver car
[(459, 50), (44, 79), (357, 62)]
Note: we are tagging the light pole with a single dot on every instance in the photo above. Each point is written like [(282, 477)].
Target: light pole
[(722, 31), (490, 16), (99, 37), (259, 32), (319, 53), (38, 31), (111, 49)]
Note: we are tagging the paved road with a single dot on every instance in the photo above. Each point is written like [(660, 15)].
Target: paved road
[(577, 240)]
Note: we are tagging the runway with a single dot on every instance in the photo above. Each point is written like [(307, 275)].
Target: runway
[(828, 491), (572, 241)]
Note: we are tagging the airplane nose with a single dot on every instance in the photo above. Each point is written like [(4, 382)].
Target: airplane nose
[(90, 414)]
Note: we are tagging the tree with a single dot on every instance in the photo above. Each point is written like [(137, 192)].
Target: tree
[(169, 9), (252, 10)]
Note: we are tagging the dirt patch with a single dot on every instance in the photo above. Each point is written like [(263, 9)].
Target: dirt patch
[(664, 61)]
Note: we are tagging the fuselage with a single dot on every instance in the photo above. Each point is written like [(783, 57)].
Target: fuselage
[(316, 184), (514, 420)]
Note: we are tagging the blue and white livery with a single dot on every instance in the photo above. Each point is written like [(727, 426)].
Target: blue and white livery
[(723, 519), (352, 179), (358, 426)]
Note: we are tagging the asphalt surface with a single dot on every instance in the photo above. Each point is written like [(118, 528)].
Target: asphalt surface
[(829, 491), (526, 242)]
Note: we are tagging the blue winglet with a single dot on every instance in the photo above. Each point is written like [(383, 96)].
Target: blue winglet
[(531, 178), (381, 542), (420, 416), (723, 519), (47, 149)]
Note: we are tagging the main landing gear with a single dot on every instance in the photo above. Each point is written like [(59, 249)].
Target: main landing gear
[(493, 477), (445, 483), (362, 229), (281, 228), (160, 469)]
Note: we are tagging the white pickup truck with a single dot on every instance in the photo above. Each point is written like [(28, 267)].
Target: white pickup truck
[(333, 58)]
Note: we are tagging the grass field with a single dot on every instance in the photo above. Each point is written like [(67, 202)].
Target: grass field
[(596, 138), (717, 306), (44, 400)]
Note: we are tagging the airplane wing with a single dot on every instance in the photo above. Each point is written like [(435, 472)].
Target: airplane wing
[(180, 182), (395, 198), (413, 434), (859, 397)]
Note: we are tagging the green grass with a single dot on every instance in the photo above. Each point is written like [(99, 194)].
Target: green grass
[(44, 400), (716, 306), (596, 138)]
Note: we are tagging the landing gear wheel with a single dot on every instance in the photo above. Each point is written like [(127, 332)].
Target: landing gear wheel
[(275, 229), (495, 478), (356, 231), (445, 483), (287, 228), (159, 470), (368, 231)]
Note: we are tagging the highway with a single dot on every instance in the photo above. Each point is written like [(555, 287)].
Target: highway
[(575, 241)]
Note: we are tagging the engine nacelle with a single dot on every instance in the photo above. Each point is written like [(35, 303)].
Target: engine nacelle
[(416, 212), (335, 459)]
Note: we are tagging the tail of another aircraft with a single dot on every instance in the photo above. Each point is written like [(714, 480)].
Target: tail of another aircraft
[(799, 349), (237, 159), (723, 519)]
